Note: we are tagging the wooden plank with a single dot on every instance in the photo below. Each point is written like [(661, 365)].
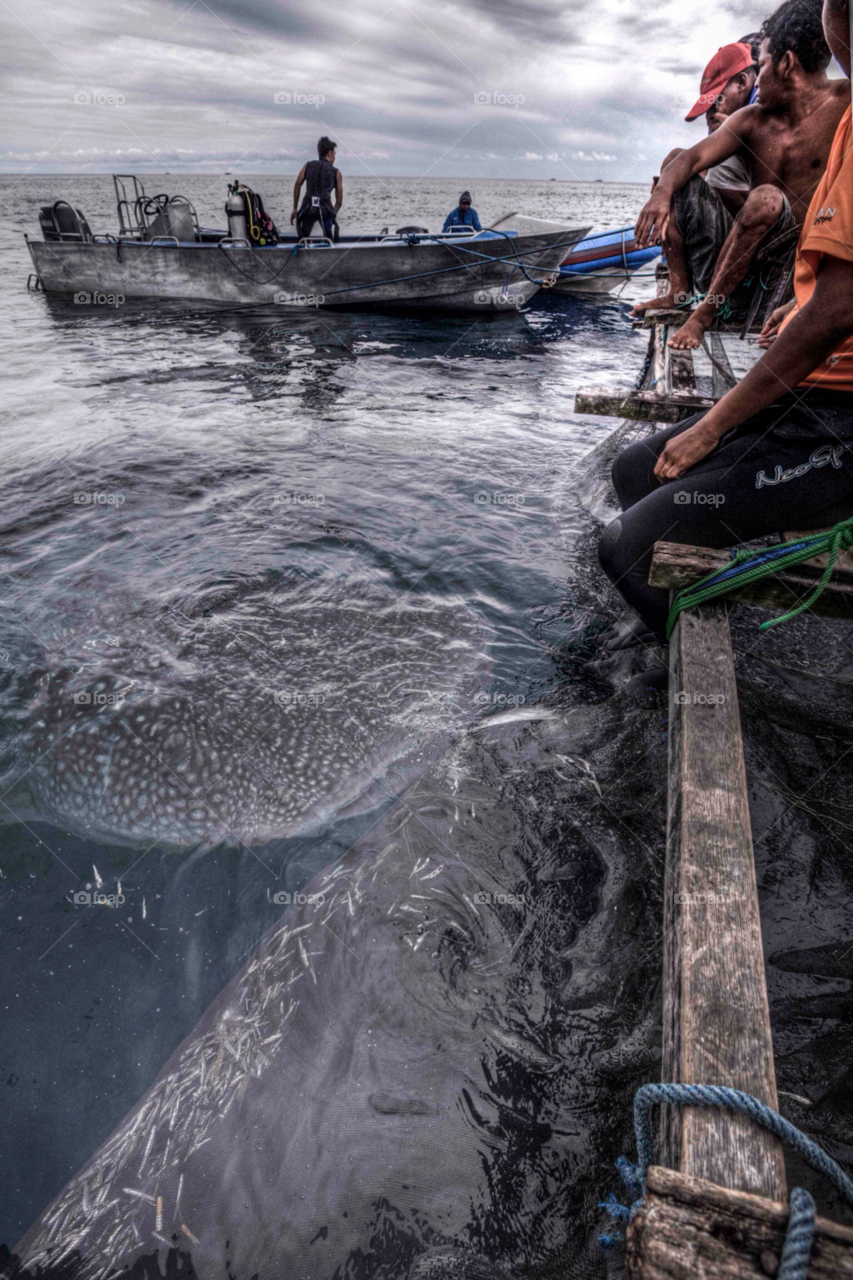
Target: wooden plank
[(688, 1229), (681, 376), (642, 406), (675, 565), (716, 1016), (668, 316)]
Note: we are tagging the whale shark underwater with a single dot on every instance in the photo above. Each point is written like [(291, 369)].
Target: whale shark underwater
[(405, 1079), (254, 709)]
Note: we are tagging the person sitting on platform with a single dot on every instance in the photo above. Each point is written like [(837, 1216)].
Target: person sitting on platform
[(322, 180), (776, 452), (785, 136), (464, 216), (728, 83)]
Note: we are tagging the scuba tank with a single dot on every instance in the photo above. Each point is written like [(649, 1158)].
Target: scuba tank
[(245, 209), (235, 208)]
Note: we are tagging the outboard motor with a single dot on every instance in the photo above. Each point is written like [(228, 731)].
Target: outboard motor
[(235, 208), (60, 221)]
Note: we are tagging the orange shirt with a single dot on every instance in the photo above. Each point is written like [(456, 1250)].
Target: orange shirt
[(828, 228)]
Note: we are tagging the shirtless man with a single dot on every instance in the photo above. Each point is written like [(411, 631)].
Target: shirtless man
[(785, 138)]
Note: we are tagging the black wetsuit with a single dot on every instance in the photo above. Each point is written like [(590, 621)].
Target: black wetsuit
[(790, 467), (320, 184)]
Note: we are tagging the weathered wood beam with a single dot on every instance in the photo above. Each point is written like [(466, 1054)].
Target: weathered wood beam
[(689, 1229), (642, 406), (661, 315), (675, 565), (716, 1018)]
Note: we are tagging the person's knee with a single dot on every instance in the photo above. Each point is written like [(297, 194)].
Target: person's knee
[(608, 549), (673, 155), (631, 474), (762, 208)]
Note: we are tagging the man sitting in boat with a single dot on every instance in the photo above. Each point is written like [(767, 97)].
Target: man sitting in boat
[(463, 216), (776, 452), (321, 180), (785, 138)]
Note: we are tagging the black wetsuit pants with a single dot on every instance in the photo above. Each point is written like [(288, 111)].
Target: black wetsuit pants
[(790, 467)]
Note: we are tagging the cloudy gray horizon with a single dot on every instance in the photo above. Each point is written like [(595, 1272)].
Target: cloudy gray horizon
[(596, 89)]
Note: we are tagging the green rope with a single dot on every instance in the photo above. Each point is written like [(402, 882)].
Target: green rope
[(751, 566)]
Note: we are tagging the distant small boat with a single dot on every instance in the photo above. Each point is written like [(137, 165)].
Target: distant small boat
[(597, 264), (160, 251)]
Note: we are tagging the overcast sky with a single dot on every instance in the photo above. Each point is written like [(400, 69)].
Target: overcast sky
[(485, 88)]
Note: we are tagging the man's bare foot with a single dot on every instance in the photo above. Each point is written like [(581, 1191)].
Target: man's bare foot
[(691, 333), (665, 302)]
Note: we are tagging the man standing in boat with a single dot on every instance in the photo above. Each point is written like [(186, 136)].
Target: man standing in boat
[(776, 452), (785, 138), (463, 216), (322, 181)]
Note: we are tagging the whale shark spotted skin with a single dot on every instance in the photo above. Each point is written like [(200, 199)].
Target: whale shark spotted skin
[(253, 711), (399, 1081)]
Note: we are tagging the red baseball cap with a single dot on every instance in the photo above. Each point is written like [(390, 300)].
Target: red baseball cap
[(726, 62)]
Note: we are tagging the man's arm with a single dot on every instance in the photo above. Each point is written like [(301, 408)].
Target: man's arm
[(297, 187), (448, 221), (804, 344), (475, 220), (717, 147), (339, 192)]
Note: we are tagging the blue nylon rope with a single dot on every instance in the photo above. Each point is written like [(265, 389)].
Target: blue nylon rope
[(798, 1238)]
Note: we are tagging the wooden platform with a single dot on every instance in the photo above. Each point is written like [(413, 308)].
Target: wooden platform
[(719, 1211), (674, 390), (689, 1229)]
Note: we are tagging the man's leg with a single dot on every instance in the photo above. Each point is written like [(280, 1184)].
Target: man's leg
[(763, 208), (747, 488), (676, 261), (697, 231)]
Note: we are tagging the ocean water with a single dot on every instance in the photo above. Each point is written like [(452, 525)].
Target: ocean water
[(224, 448), (418, 473)]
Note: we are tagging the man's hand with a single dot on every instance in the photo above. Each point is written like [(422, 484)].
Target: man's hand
[(654, 219), (771, 326), (684, 451), (293, 217)]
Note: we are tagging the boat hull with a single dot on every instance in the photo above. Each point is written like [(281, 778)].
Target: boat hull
[(483, 275)]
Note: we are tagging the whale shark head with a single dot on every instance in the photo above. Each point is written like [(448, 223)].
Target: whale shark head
[(254, 710)]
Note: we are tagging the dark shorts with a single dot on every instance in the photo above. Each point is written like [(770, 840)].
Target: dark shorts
[(705, 223), (307, 218), (789, 467)]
